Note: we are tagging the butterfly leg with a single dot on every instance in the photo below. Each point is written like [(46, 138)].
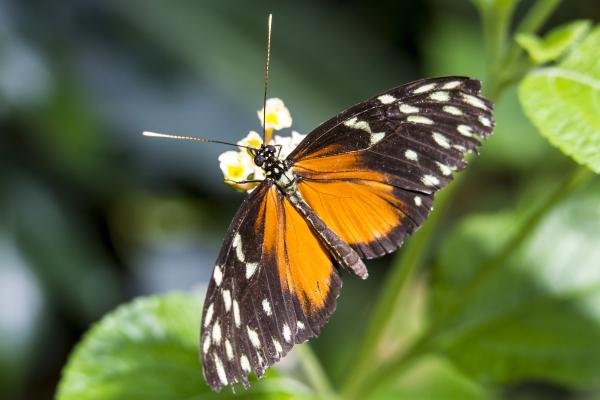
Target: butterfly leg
[(242, 182), (341, 251)]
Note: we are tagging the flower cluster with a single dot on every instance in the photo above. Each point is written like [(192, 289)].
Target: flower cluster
[(238, 166)]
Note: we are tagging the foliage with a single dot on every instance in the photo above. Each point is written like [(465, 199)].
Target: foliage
[(562, 102), (147, 349)]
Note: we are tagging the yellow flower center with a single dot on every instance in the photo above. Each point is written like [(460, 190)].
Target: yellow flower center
[(235, 171), (255, 143), (272, 118)]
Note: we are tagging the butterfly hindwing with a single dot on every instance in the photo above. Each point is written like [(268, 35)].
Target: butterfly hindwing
[(274, 285), (371, 172)]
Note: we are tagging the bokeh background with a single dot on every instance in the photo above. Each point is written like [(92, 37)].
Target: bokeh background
[(93, 214)]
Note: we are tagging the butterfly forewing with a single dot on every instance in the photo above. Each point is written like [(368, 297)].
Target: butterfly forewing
[(371, 172)]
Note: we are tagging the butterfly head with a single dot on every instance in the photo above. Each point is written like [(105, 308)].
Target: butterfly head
[(265, 155), (267, 158)]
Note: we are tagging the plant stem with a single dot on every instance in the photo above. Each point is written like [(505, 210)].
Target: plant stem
[(392, 368), (315, 373), (576, 180), (411, 257), (509, 68), (495, 17)]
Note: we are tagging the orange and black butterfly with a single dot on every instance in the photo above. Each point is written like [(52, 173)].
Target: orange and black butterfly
[(352, 190)]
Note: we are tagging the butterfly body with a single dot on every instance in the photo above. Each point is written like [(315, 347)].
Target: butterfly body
[(279, 172), (353, 189)]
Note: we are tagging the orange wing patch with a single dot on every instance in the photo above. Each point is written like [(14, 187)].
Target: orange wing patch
[(340, 166), (304, 265), (357, 211)]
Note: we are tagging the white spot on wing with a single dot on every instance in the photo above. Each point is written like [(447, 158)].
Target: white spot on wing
[(408, 109), (439, 96), (206, 344), (424, 88), (452, 110), (485, 121), (236, 313), (411, 155), (441, 140), (253, 336), (237, 240), (287, 333), (417, 119), (376, 137), (267, 307), (240, 253), (218, 275), (418, 201), (451, 85), (300, 325), (228, 349), (356, 124), (446, 170), (386, 98), (465, 130), (430, 180), (216, 333), (474, 101), (460, 147), (227, 300), (245, 364), (209, 315), (277, 345), (250, 269), (220, 369)]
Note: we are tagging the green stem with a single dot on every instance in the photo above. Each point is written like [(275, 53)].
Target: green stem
[(388, 370), (397, 364), (315, 373), (512, 66), (495, 17), (411, 257)]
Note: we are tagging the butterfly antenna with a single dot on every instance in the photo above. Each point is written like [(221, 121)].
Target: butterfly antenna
[(194, 138), (267, 78)]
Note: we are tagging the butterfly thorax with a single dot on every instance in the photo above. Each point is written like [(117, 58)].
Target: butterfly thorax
[(276, 169)]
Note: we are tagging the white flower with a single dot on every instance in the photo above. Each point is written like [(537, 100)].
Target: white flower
[(238, 166), (277, 116), (253, 139), (287, 143), (296, 139)]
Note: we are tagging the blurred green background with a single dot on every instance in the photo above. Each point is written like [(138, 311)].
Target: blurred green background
[(92, 214)]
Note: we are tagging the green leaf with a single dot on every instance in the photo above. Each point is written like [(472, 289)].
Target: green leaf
[(432, 377), (148, 349), (555, 43), (563, 102), (536, 317)]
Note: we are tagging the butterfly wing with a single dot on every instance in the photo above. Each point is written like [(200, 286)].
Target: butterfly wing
[(274, 285), (371, 172)]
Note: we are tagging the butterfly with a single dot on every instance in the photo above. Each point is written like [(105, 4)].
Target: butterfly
[(352, 190)]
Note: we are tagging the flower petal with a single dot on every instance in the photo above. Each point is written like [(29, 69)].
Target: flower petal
[(277, 115)]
